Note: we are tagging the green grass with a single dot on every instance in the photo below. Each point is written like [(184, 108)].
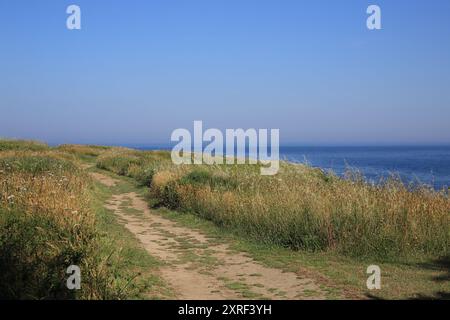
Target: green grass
[(36, 164), (30, 269), (341, 276), (22, 145), (243, 289), (46, 226)]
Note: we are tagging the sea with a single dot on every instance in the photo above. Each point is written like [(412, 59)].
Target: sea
[(428, 165)]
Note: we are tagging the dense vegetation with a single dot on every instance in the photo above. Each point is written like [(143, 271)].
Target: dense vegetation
[(47, 221), (300, 207), (46, 225)]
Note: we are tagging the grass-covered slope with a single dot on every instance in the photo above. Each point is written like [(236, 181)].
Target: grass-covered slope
[(300, 207), (49, 221), (52, 216)]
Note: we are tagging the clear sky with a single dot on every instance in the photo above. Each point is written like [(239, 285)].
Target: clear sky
[(137, 70)]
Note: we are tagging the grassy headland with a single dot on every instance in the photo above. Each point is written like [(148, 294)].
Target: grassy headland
[(299, 208), (52, 216)]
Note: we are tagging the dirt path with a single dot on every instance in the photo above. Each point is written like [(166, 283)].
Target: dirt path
[(198, 267)]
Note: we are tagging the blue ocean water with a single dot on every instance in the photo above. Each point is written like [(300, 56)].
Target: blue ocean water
[(414, 164), (428, 165)]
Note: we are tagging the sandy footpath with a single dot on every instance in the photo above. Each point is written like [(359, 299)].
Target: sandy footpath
[(198, 267)]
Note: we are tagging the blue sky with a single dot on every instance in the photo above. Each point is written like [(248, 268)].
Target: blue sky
[(137, 70)]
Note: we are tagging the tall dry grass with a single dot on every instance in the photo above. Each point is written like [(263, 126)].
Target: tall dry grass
[(24, 145), (300, 207), (82, 150), (46, 225)]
